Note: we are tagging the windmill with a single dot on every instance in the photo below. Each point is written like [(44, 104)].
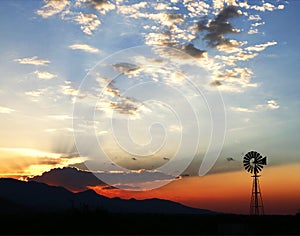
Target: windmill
[(254, 163)]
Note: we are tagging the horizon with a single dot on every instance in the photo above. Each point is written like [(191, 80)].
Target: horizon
[(153, 99)]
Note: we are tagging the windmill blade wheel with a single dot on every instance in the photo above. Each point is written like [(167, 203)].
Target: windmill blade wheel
[(253, 162)]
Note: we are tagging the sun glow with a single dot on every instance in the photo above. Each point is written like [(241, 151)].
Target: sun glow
[(18, 162)]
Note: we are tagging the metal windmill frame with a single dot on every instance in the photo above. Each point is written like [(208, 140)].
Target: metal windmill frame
[(253, 163)]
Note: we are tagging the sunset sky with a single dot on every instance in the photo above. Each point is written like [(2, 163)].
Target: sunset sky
[(150, 94)]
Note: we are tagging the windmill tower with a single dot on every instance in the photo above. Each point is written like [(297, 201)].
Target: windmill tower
[(253, 163)]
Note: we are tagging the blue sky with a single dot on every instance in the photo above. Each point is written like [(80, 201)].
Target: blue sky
[(244, 54)]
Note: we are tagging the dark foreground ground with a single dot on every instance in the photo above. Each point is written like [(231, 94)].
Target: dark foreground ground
[(76, 223)]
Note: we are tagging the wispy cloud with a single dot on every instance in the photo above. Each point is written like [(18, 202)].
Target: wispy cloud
[(270, 105), (32, 61), (242, 109), (6, 110), (236, 79), (44, 75), (67, 89), (35, 94), (84, 47), (260, 47), (61, 117), (52, 7), (63, 130), (126, 105)]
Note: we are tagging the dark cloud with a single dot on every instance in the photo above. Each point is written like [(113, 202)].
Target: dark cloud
[(120, 104), (128, 187), (70, 155), (49, 161), (81, 166), (109, 188), (218, 27), (193, 51), (101, 5), (126, 105), (125, 68), (98, 2), (215, 83), (175, 18), (111, 88)]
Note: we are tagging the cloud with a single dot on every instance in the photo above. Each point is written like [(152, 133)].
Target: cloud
[(67, 89), (62, 130), (32, 61), (267, 7), (102, 6), (25, 161), (84, 47), (195, 8), (234, 80), (52, 7), (271, 105), (78, 180), (6, 110), (218, 27), (255, 17), (44, 75), (35, 94), (253, 31), (215, 83), (132, 10), (112, 99), (194, 52), (257, 24), (110, 88), (160, 39), (241, 109), (126, 106), (173, 18), (261, 47), (88, 22), (61, 117), (232, 59), (125, 68), (69, 178)]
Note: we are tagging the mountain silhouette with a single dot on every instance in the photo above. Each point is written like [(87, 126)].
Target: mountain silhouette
[(42, 197)]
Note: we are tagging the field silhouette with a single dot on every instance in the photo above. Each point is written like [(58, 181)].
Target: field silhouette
[(35, 208)]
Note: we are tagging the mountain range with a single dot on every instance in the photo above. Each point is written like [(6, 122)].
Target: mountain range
[(18, 196)]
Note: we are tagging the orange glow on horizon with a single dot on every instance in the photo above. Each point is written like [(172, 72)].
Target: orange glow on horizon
[(227, 192)]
